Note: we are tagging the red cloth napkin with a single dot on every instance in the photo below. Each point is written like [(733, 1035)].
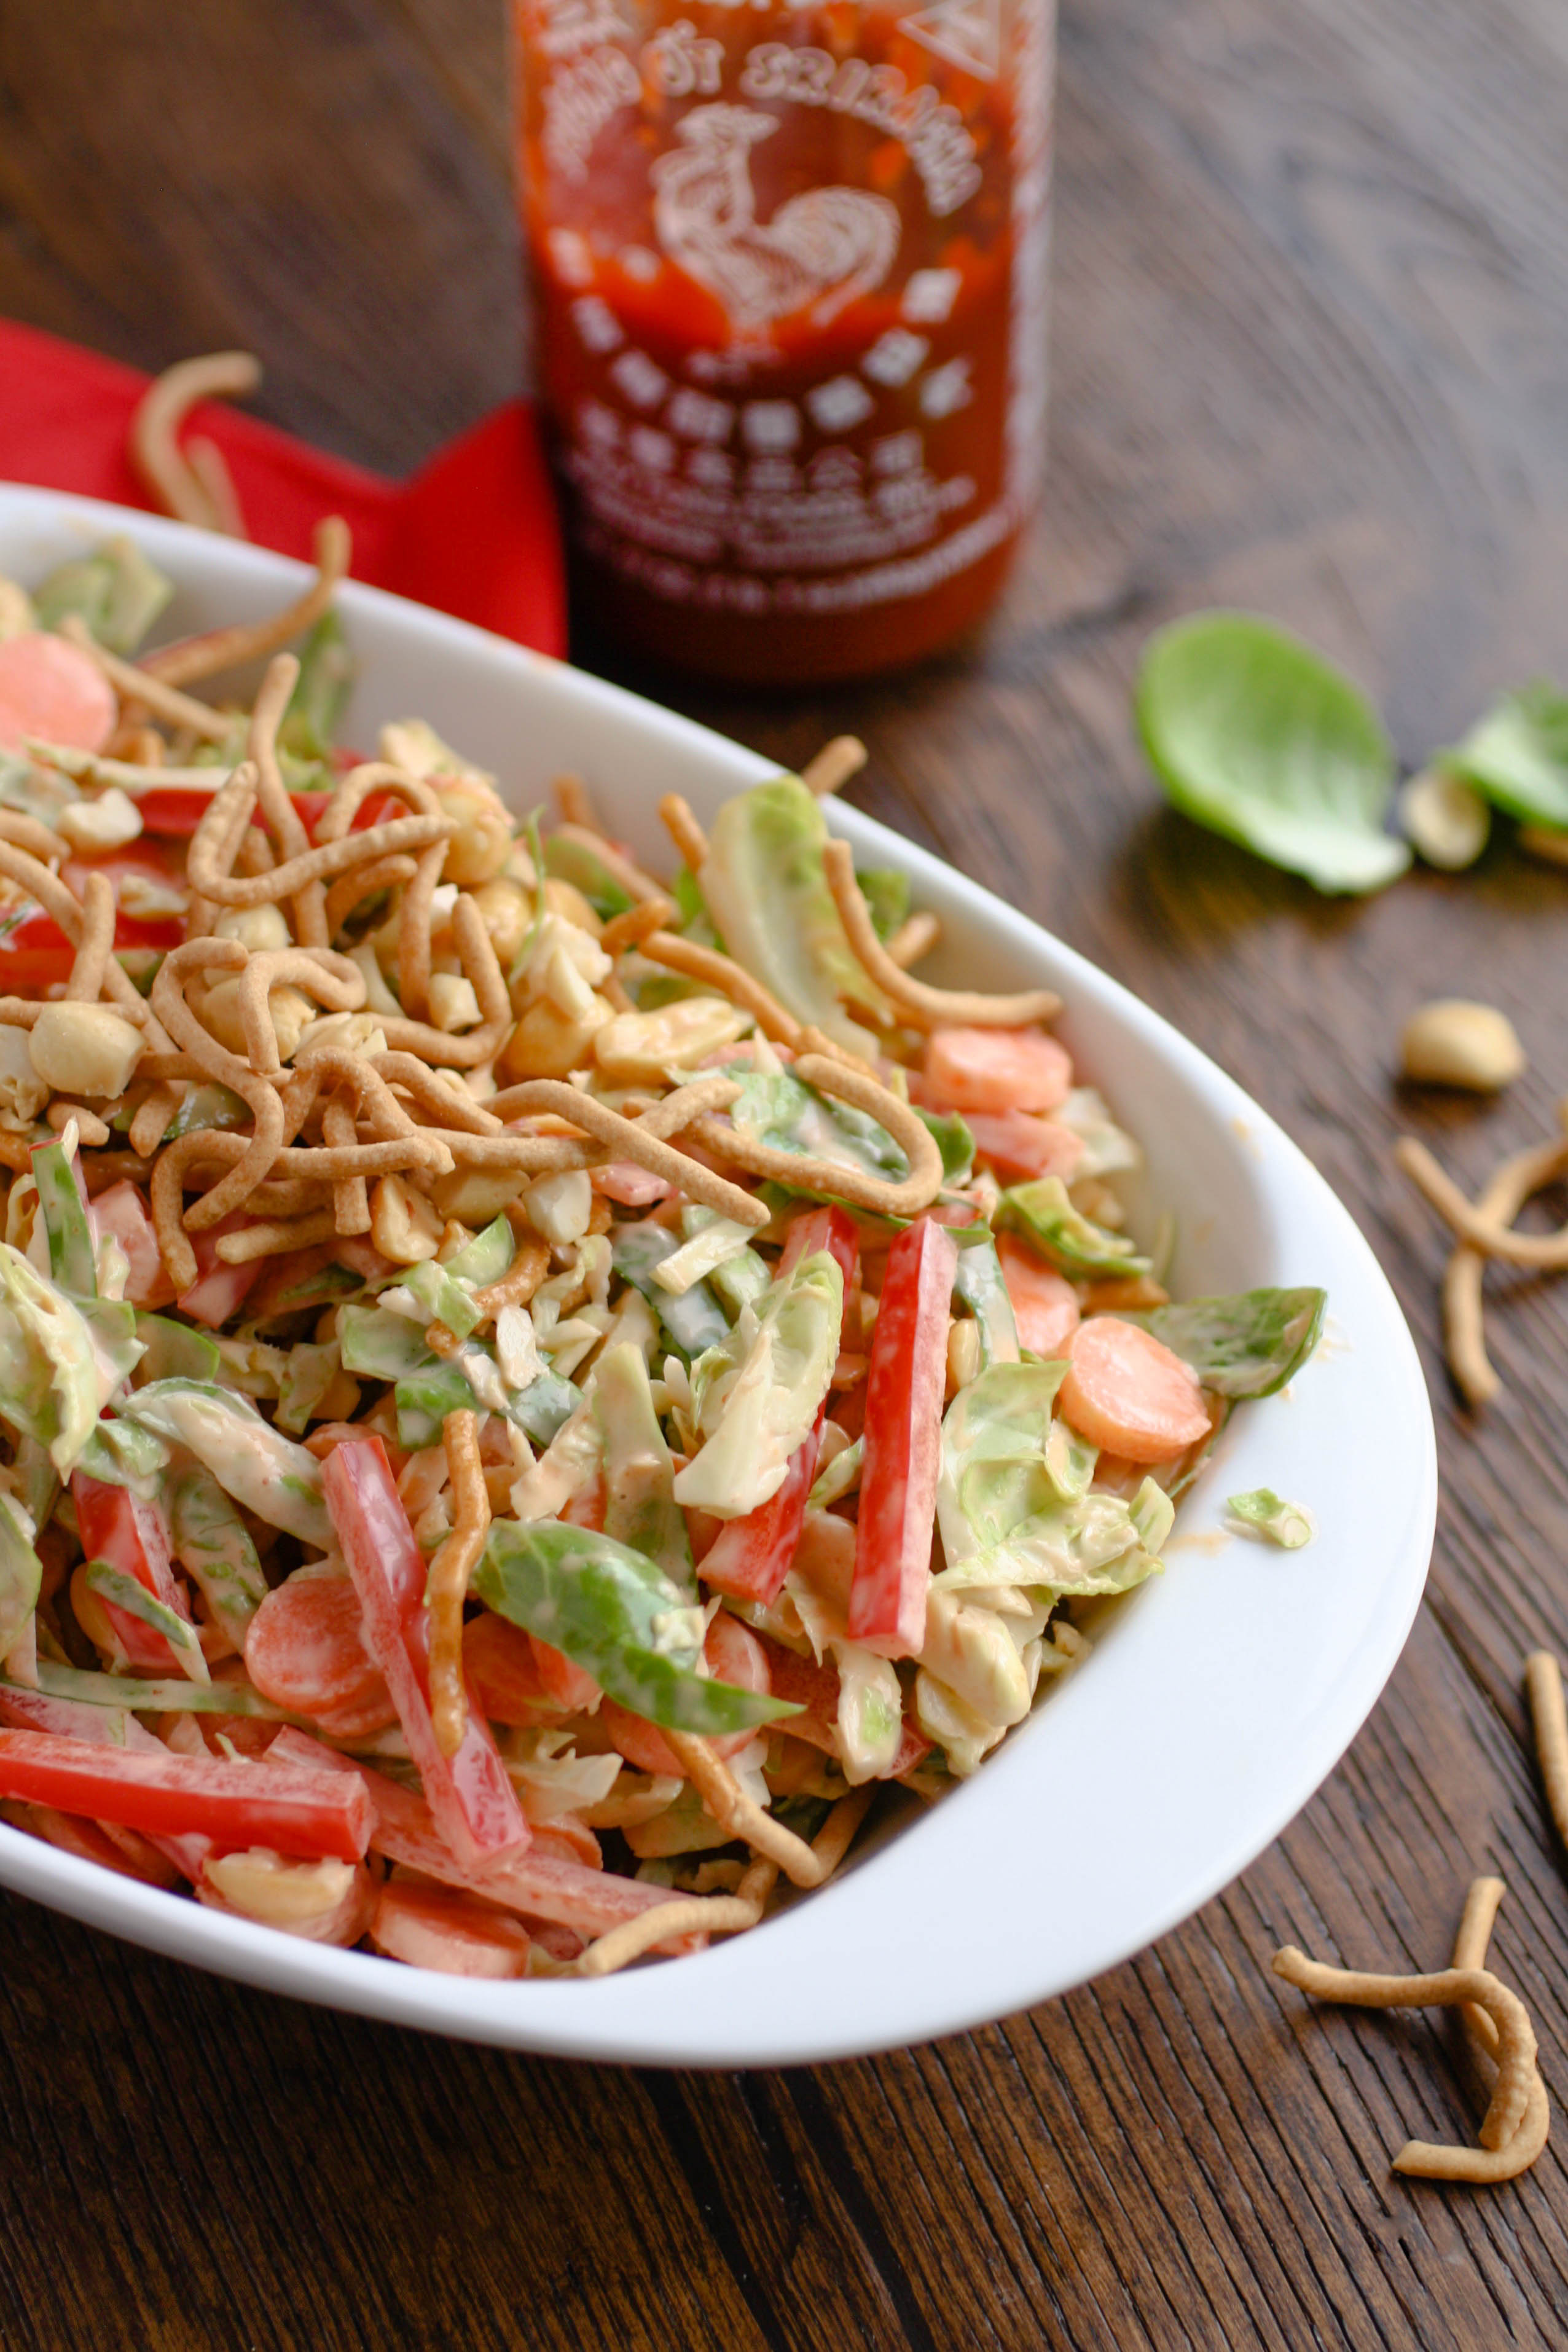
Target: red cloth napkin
[(474, 531)]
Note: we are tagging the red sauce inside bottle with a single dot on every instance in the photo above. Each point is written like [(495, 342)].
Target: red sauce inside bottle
[(793, 399)]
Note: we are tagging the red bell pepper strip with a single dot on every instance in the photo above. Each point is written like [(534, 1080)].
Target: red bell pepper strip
[(116, 1526), (68, 1719), (750, 1556), (904, 1383), (540, 1883), (219, 1289), (172, 812), (35, 952), (471, 1800), (236, 1805)]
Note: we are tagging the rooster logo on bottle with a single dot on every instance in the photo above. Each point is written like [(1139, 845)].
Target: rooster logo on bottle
[(823, 247)]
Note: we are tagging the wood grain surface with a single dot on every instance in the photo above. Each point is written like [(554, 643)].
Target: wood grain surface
[(1311, 356)]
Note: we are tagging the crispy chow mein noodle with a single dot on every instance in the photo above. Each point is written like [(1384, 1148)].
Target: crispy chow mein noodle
[(722, 973), (1484, 1229), (833, 765), (914, 939), (191, 483), (1519, 2153), (499, 1321), (683, 829), (575, 803), (249, 641), (141, 689), (924, 1006), (1513, 2131), (1543, 1681), (1547, 1252)]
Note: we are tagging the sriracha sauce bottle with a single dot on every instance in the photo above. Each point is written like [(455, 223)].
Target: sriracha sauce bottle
[(788, 271)]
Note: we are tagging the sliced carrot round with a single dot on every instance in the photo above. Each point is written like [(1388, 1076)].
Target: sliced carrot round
[(1126, 1392), (641, 1743), (304, 1650), (503, 1673), (51, 688), (996, 1069), (435, 1927), (567, 1685), (1045, 1304), (736, 1655), (1020, 1146)]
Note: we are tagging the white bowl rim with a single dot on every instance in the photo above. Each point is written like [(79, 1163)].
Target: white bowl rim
[(878, 1960)]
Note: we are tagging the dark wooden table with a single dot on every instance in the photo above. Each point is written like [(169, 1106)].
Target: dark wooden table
[(1311, 352)]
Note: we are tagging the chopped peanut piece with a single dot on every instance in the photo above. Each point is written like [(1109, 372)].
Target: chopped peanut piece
[(482, 843), (636, 1049), (453, 1003), (508, 911), (550, 1043), (23, 1092), (564, 899), (559, 1206)]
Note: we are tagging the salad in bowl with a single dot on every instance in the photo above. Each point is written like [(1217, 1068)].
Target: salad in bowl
[(534, 1393)]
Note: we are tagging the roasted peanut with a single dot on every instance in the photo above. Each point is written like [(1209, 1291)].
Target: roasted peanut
[(1451, 1042), (508, 911), (963, 1353), (482, 843), (84, 1049), (260, 928), (1445, 819), (109, 821), (549, 1044), (217, 1008), (402, 1224), (476, 1194)]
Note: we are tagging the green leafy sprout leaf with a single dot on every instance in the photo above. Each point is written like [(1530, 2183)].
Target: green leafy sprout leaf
[(1247, 1344), (1263, 1513), (619, 1617), (1518, 755), (1254, 735)]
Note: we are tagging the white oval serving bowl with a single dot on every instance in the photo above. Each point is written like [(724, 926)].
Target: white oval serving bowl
[(1217, 1697)]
